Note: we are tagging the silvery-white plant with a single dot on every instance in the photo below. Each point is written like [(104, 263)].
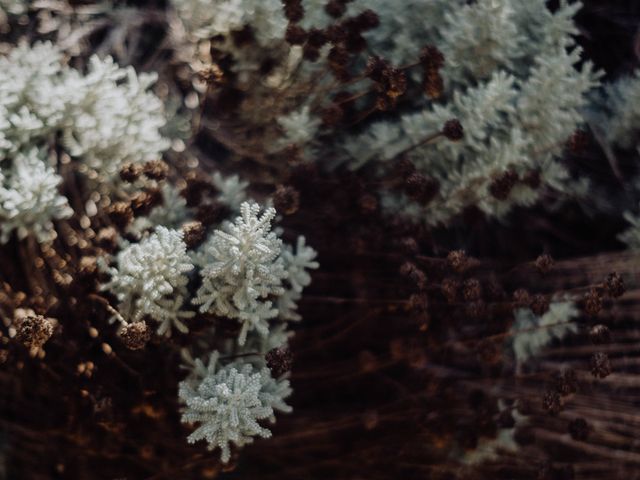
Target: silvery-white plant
[(149, 280), (229, 401), (512, 75), (103, 119), (617, 118), (246, 273)]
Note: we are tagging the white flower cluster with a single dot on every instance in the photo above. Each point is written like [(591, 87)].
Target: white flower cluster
[(511, 79), (149, 280), (246, 271), (104, 118), (228, 402), (29, 198), (244, 266)]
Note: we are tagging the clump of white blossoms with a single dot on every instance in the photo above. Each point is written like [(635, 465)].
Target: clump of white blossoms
[(229, 402), (30, 198), (104, 118), (149, 280), (241, 271), (241, 268)]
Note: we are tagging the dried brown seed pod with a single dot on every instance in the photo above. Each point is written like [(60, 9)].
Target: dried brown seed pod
[(420, 188), (471, 289), (212, 214), (501, 186), (614, 285), (143, 202), (566, 382), (578, 141), (194, 233), (295, 35), (579, 429), (458, 260), (279, 360), (600, 334), (107, 238), (413, 273), (368, 203), (593, 302), (418, 304), (600, 365), (332, 115), (130, 172), (135, 335), (156, 170), (121, 214), (431, 58), (544, 263), (88, 266), (335, 8), (286, 199), (551, 402), (539, 304), (433, 84), (453, 130), (33, 331), (449, 289), (521, 298)]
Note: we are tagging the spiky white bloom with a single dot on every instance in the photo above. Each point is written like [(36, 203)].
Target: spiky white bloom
[(530, 333), (299, 126), (30, 199), (149, 280), (232, 190), (242, 267), (106, 116), (229, 401)]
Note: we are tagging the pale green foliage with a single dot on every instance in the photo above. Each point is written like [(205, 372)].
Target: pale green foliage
[(617, 116), (228, 402), (530, 333)]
